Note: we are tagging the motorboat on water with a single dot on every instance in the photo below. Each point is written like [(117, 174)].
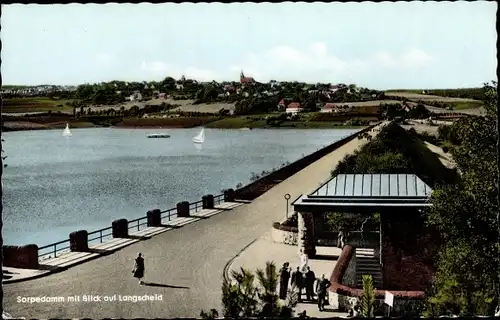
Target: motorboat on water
[(158, 135)]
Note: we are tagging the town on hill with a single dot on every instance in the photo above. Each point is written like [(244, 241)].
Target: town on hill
[(228, 104)]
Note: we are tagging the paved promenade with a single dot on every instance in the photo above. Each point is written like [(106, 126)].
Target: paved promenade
[(184, 265), (264, 249)]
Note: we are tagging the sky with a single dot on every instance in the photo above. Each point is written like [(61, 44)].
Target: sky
[(401, 45)]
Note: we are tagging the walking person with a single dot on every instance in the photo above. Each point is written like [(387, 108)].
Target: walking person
[(298, 280), (340, 239), (139, 268), (284, 278), (322, 286), (310, 278)]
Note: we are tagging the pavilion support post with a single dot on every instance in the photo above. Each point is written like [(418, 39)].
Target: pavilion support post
[(381, 249), (306, 240)]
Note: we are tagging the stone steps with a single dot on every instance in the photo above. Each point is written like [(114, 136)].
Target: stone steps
[(368, 263)]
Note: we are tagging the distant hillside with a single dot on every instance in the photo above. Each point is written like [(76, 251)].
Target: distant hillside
[(464, 93)]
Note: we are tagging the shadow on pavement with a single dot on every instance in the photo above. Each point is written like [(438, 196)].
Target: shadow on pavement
[(325, 257), (152, 284), (47, 267), (166, 225), (329, 310)]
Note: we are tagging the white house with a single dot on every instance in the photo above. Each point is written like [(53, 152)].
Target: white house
[(135, 97), (179, 87)]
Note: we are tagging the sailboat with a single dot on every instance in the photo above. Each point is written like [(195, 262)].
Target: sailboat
[(66, 132), (200, 138)]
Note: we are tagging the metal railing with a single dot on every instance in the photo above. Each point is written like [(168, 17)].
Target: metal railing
[(195, 206), (54, 250), (102, 234)]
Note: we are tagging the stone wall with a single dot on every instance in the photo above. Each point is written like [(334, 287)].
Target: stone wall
[(284, 236), (24, 257), (344, 297), (349, 278)]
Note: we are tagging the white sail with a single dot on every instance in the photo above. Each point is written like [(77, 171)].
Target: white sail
[(66, 131), (200, 138)]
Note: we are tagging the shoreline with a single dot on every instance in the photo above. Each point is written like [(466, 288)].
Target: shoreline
[(11, 126)]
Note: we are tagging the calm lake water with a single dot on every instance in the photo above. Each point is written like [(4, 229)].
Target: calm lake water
[(55, 185)]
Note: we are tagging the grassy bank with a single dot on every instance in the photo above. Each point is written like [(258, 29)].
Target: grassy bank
[(36, 104), (252, 122), (276, 120), (301, 121)]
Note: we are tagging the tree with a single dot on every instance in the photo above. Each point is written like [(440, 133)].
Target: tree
[(418, 112), (310, 104), (168, 83), (466, 215), (268, 280)]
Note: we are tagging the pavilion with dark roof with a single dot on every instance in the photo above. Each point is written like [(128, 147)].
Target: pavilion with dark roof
[(358, 193)]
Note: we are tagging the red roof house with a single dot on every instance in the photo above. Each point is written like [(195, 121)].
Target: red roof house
[(293, 107)]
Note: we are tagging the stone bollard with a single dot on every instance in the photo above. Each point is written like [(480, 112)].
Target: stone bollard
[(154, 218), (23, 257), (120, 228), (78, 241), (208, 201), (229, 195), (183, 209)]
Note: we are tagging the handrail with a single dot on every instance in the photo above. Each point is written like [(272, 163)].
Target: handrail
[(55, 248)]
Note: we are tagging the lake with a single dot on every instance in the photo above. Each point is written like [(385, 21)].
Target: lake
[(55, 185)]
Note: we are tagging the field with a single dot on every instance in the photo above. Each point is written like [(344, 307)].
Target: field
[(466, 93), (202, 107), (184, 105), (426, 97), (432, 102), (374, 103), (38, 104)]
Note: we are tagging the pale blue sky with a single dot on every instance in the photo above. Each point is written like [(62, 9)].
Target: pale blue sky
[(385, 45)]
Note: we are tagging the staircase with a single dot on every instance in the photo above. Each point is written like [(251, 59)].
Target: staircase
[(368, 263)]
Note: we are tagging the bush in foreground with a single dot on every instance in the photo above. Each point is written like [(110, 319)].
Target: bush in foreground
[(242, 297)]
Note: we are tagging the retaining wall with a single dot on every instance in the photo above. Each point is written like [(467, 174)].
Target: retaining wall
[(344, 297)]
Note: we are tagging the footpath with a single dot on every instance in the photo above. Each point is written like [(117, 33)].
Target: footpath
[(267, 250)]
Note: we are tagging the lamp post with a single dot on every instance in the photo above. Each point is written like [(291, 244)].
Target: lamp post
[(287, 197)]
